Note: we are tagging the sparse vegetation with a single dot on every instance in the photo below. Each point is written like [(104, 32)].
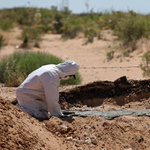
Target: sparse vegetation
[(57, 23), (15, 68), (31, 33), (6, 24), (90, 34), (132, 28), (110, 55), (45, 29), (2, 41), (129, 27), (71, 28), (145, 65)]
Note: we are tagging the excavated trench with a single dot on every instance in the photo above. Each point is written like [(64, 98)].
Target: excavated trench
[(120, 93)]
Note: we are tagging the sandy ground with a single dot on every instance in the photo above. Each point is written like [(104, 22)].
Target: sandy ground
[(20, 131), (88, 56)]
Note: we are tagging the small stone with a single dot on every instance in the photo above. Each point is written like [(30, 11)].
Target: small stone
[(94, 140), (77, 145), (85, 106), (69, 138), (105, 124), (91, 129), (85, 134), (80, 141), (74, 140), (88, 141), (85, 127), (122, 107), (17, 47), (63, 126)]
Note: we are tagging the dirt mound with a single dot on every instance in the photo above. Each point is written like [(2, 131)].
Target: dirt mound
[(96, 133), (20, 131)]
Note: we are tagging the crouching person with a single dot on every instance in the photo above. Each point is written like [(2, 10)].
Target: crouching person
[(39, 91)]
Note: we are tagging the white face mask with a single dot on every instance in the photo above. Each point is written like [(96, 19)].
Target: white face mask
[(65, 78)]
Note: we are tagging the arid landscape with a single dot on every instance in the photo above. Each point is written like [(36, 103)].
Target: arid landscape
[(108, 85)]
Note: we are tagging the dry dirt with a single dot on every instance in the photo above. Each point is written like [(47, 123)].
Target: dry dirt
[(102, 89)]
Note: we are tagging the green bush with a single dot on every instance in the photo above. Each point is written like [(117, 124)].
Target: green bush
[(45, 29), (47, 16), (109, 20), (90, 33), (110, 55), (31, 33), (15, 15), (24, 16), (6, 24), (131, 29), (91, 30), (15, 68), (145, 65), (71, 28), (58, 23)]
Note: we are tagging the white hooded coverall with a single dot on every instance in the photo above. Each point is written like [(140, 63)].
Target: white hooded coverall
[(39, 91)]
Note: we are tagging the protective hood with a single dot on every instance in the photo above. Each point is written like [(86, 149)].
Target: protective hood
[(67, 68)]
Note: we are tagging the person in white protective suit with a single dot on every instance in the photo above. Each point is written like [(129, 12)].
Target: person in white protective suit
[(39, 90)]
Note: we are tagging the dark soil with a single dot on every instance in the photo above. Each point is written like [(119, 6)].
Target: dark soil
[(121, 91)]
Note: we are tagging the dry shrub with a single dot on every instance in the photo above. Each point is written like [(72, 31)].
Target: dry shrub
[(131, 29), (145, 65), (15, 80)]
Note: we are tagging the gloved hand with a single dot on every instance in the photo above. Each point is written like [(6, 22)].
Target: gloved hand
[(64, 116)]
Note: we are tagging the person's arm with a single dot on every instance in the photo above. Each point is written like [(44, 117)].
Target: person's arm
[(52, 94), (52, 99)]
